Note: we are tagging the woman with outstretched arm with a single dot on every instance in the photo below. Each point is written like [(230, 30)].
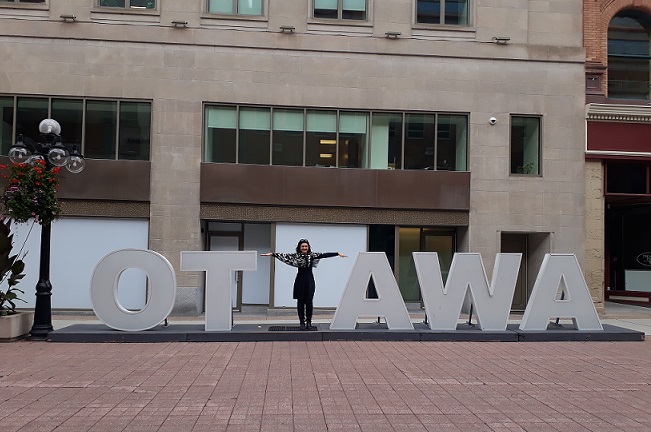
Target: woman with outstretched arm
[(304, 259)]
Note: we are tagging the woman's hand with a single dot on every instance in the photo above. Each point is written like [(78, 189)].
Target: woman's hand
[(266, 254), (341, 255)]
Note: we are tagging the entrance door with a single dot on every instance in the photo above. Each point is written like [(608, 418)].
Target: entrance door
[(229, 242), (413, 239), (517, 243)]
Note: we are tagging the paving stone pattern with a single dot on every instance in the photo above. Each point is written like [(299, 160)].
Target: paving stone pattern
[(326, 386)]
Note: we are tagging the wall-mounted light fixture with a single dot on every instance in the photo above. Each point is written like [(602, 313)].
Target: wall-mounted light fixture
[(179, 24), (392, 34), (286, 29), (68, 18), (500, 39)]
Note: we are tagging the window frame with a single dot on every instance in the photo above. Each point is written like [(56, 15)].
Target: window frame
[(84, 100), (644, 21), (340, 11), (442, 23), (537, 165), (127, 6), (263, 10), (369, 148)]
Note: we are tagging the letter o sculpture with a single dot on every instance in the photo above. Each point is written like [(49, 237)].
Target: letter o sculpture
[(104, 289)]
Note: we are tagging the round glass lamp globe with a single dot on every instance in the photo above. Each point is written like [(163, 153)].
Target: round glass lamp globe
[(58, 156), (76, 164), (49, 126), (19, 154)]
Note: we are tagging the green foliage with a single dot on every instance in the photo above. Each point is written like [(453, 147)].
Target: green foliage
[(11, 270), (32, 192)]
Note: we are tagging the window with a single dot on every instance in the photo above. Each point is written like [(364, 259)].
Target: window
[(335, 138), (254, 136), (321, 139), (340, 9), (235, 7), (129, 4), (629, 55), (525, 145), (386, 132), (627, 178), (101, 129), (6, 123), (353, 133), (450, 12), (287, 147)]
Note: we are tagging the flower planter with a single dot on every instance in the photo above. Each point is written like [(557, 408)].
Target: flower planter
[(15, 326)]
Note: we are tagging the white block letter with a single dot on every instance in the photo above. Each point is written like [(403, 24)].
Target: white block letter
[(577, 303), (353, 302), (219, 267), (443, 303), (104, 289)]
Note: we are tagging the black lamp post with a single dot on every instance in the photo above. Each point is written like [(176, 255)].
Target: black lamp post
[(54, 154)]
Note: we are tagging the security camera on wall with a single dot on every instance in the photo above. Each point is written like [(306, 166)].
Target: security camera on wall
[(492, 120)]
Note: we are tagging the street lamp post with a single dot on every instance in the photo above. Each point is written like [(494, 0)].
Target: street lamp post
[(54, 154)]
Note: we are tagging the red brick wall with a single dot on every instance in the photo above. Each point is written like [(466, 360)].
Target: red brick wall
[(596, 17)]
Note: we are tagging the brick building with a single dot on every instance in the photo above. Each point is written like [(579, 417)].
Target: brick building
[(618, 153)]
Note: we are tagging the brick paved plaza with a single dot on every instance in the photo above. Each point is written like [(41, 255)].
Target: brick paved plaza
[(326, 386)]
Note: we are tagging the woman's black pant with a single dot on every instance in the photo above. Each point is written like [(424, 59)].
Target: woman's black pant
[(304, 308)]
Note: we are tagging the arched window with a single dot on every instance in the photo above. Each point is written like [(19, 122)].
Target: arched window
[(629, 56)]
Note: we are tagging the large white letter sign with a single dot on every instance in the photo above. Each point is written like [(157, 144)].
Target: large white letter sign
[(443, 303), (104, 289), (576, 304), (353, 302), (219, 267)]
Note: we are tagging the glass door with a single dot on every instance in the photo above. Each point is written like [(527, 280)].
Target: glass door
[(416, 239)]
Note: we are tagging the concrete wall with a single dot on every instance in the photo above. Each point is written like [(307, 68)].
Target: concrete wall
[(325, 64)]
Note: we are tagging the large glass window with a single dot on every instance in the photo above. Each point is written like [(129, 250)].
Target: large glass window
[(335, 138), (221, 134), (287, 147), (91, 125), (420, 140), (254, 136), (29, 114), (353, 143), (629, 55), (235, 7), (450, 12), (135, 130), (70, 114), (101, 122), (626, 178), (451, 142), (386, 141), (321, 138), (6, 123), (129, 4), (340, 9), (525, 145)]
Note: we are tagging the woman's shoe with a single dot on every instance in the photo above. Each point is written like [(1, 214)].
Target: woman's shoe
[(308, 326), (303, 326)]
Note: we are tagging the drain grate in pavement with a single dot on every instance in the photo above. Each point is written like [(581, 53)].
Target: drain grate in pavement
[(288, 328)]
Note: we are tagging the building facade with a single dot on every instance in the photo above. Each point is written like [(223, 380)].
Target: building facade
[(618, 153), (362, 125)]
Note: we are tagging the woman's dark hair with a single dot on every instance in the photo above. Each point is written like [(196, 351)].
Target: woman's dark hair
[(300, 242)]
